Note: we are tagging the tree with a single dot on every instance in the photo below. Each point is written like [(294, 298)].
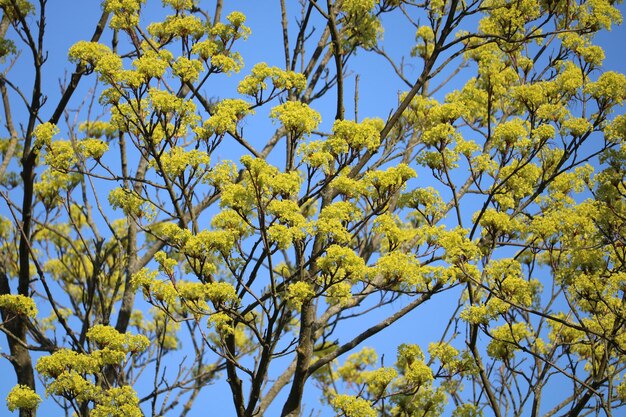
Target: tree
[(155, 248)]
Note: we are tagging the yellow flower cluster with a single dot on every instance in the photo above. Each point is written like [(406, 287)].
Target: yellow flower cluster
[(168, 292), (15, 9), (382, 185), (232, 31), (176, 160), (131, 203), (506, 340), (166, 264), (444, 353), (261, 184), (496, 223), (361, 27), (125, 13), (178, 26), (228, 220), (52, 183), (425, 45), (117, 402), (355, 363), (23, 398), (393, 230), (106, 337), (616, 129), (458, 248), (341, 263), (222, 323), (509, 22), (425, 200), (520, 183), (292, 224), (43, 134), (332, 219), (582, 46), (509, 133), (609, 88), (221, 292), (227, 114), (71, 372), (254, 84), (166, 102), (378, 380), (351, 406), (179, 5), (410, 362), (599, 13), (188, 70), (87, 53), (339, 293), (152, 64), (298, 118), (18, 304), (347, 186), (63, 155), (401, 269), (298, 293), (348, 135)]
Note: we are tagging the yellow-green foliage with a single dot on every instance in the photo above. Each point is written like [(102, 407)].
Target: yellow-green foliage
[(350, 406), (299, 292), (106, 337), (227, 114), (332, 219), (340, 263), (125, 12), (415, 372), (401, 269), (362, 26), (188, 70), (23, 398), (255, 83), (292, 224), (152, 64), (378, 380), (515, 225), (17, 9), (178, 26), (458, 248), (130, 203), (356, 362), (356, 136), (467, 410), (609, 88), (117, 402), (176, 160), (298, 118), (69, 373), (44, 133), (166, 102), (222, 323), (382, 185), (220, 292), (425, 46), (507, 339), (18, 304)]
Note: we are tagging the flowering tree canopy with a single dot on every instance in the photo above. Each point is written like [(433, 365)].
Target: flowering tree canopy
[(191, 226)]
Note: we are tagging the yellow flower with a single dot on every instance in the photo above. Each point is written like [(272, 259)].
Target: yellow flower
[(297, 117), (23, 398)]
